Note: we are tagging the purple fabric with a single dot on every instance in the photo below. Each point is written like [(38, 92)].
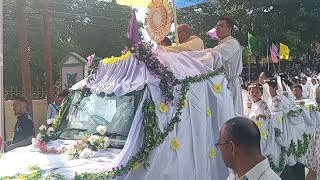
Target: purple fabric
[(133, 29)]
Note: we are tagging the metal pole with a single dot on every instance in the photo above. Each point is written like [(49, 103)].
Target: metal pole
[(24, 51), (48, 50), (1, 77), (250, 69), (175, 21)]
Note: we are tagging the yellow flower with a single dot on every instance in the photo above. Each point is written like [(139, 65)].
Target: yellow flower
[(281, 120), (185, 103), (137, 166), (164, 107), (209, 112), (264, 134), (113, 60), (175, 144), (218, 88), (260, 123), (308, 108), (212, 153)]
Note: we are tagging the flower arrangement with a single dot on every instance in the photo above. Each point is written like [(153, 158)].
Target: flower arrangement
[(43, 147), (45, 134), (113, 60), (86, 147)]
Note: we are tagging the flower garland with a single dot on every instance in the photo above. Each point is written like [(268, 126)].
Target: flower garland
[(143, 52), (154, 137), (64, 111), (112, 60), (297, 150)]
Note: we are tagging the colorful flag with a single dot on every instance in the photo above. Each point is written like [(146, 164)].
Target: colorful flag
[(284, 51), (252, 44), (133, 29), (213, 33), (274, 53)]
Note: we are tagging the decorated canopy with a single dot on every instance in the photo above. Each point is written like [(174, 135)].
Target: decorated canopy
[(145, 3)]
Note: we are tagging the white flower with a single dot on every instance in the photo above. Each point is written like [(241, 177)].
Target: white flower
[(50, 130), (39, 137), (51, 121), (93, 138), (106, 143), (42, 128), (86, 153), (101, 129), (71, 150)]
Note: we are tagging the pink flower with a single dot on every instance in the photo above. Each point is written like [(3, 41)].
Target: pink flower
[(90, 59)]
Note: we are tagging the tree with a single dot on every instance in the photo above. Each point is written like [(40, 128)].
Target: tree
[(292, 22), (84, 27)]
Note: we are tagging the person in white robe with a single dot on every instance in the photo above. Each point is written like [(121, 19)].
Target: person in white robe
[(277, 102), (231, 52), (263, 78)]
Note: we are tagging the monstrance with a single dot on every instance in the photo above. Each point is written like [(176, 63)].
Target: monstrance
[(159, 19)]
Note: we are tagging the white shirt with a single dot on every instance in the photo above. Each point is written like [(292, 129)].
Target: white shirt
[(260, 171), (306, 91), (231, 52), (266, 94)]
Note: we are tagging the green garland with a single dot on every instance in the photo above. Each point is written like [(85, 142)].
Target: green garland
[(298, 150), (63, 112), (153, 136)]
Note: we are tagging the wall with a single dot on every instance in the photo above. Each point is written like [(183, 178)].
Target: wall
[(39, 115)]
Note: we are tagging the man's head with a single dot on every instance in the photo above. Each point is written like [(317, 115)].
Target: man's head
[(256, 92), (314, 81), (297, 91), (184, 32), (304, 80), (166, 42), (58, 98), (263, 77), (224, 27), (20, 106), (239, 138)]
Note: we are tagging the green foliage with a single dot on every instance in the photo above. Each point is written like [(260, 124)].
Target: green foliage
[(292, 22), (83, 27)]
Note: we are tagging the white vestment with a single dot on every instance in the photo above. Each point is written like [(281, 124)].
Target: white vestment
[(231, 52)]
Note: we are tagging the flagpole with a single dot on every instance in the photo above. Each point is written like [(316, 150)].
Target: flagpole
[(268, 58), (2, 124), (250, 68)]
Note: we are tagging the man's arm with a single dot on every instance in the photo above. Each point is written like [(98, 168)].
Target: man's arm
[(192, 45), (22, 143), (228, 49)]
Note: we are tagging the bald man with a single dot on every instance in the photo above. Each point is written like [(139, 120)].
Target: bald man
[(187, 42)]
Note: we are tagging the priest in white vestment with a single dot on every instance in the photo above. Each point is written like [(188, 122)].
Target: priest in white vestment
[(231, 52), (187, 42)]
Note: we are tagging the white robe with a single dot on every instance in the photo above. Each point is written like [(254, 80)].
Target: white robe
[(231, 52)]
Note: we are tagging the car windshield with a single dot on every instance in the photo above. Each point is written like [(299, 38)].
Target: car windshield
[(116, 113)]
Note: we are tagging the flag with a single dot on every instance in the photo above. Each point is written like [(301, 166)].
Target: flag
[(252, 44), (133, 29), (274, 53), (284, 51), (213, 33)]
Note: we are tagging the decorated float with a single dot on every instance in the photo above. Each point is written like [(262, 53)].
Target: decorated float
[(147, 115)]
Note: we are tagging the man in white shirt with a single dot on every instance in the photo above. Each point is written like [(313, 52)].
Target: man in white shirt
[(305, 87), (231, 52), (239, 143)]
